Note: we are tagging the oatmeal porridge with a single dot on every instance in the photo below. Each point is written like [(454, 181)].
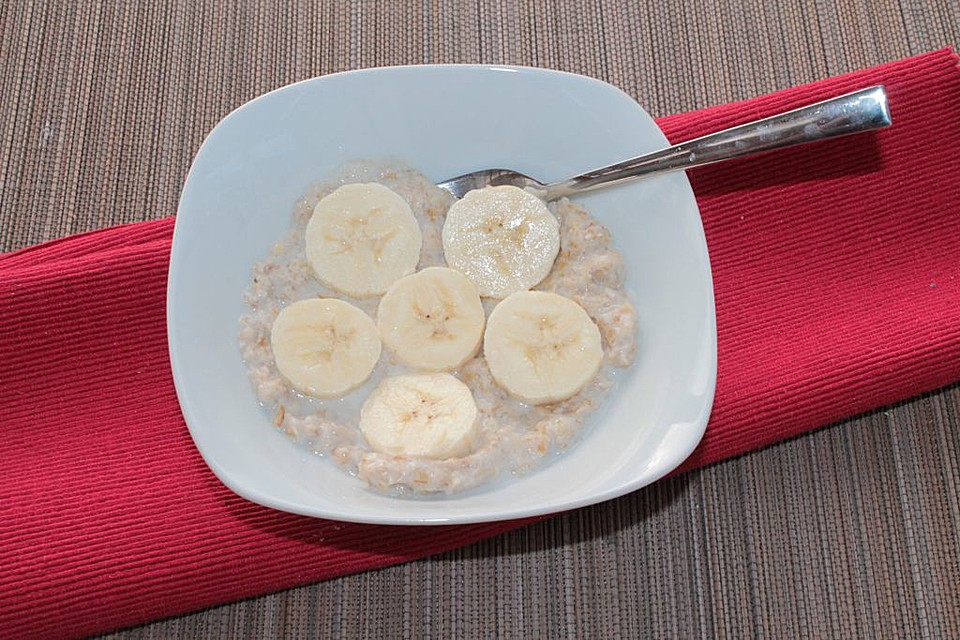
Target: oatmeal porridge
[(508, 436)]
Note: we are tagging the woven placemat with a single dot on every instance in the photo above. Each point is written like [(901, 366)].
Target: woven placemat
[(852, 531)]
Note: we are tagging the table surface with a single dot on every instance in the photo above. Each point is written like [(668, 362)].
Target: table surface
[(853, 530)]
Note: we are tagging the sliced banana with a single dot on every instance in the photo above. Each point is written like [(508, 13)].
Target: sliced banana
[(324, 347), (541, 347), (361, 238), (503, 238), (431, 415), (432, 320)]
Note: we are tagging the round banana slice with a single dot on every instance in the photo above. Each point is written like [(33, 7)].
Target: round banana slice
[(503, 238), (433, 319), (361, 238), (541, 347), (431, 415), (324, 347)]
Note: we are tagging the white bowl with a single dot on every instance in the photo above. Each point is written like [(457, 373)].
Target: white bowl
[(444, 121)]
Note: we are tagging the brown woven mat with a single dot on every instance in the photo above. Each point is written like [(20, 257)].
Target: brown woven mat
[(853, 531)]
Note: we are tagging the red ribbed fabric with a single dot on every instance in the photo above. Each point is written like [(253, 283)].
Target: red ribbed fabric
[(837, 275)]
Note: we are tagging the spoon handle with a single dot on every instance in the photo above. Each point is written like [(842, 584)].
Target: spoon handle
[(851, 113)]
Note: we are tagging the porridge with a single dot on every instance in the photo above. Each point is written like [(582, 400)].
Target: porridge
[(507, 427)]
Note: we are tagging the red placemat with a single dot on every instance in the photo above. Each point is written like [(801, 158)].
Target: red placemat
[(837, 276)]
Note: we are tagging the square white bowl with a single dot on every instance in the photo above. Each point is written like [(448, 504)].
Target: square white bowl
[(443, 120)]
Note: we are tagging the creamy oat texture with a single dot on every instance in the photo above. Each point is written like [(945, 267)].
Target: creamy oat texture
[(513, 437)]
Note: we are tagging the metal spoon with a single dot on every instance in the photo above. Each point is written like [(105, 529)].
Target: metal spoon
[(862, 110)]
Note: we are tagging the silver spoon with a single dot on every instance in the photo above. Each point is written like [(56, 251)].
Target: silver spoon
[(851, 113)]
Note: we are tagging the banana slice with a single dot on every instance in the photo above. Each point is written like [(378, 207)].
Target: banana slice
[(503, 238), (431, 415), (324, 347), (433, 320), (361, 238), (541, 347)]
